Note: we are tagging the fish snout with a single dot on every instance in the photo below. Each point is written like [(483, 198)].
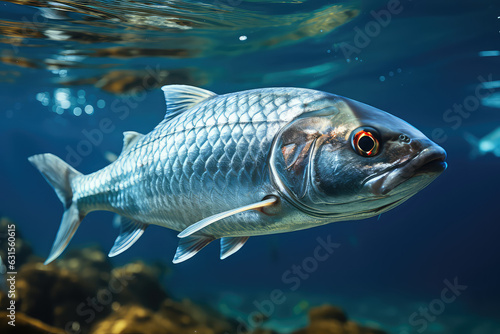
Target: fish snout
[(428, 164), (432, 160)]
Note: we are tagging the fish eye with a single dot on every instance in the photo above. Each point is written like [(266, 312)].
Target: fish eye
[(365, 141)]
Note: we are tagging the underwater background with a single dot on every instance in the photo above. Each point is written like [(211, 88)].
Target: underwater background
[(65, 66)]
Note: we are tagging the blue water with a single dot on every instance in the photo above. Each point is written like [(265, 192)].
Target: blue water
[(58, 83)]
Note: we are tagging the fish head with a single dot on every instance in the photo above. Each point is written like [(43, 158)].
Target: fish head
[(348, 160)]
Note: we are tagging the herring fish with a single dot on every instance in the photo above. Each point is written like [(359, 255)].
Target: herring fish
[(248, 163)]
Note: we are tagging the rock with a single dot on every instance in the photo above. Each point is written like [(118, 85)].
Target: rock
[(82, 288), (171, 309), (327, 312), (327, 319), (259, 318), (51, 294), (195, 317), (82, 293), (4, 301), (26, 325), (90, 264), (325, 327), (23, 248), (139, 285), (172, 318), (264, 331), (134, 319)]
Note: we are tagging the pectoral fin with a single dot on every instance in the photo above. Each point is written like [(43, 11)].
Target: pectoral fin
[(188, 247), (130, 232), (230, 245), (212, 219)]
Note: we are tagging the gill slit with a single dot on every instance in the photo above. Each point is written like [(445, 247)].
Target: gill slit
[(284, 191)]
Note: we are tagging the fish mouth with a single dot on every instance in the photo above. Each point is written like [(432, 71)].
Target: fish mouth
[(425, 167)]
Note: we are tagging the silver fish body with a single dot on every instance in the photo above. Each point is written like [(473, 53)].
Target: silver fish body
[(209, 159), (285, 151)]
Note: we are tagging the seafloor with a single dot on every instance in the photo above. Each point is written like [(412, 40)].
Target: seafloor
[(84, 293)]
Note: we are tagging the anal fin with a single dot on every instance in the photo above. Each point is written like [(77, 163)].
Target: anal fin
[(188, 247), (230, 245), (130, 232)]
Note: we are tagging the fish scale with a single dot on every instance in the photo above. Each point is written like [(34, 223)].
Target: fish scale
[(188, 167), (248, 163)]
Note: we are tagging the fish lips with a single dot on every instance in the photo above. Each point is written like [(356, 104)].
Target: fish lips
[(429, 163)]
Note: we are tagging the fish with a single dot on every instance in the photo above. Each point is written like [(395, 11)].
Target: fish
[(490, 143), (243, 164)]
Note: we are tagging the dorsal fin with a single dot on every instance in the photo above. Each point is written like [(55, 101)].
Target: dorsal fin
[(180, 98), (129, 139)]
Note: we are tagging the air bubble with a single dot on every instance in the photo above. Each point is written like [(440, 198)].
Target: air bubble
[(65, 104), (101, 104), (89, 109)]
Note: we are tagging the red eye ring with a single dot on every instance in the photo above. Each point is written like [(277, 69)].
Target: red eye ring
[(365, 142)]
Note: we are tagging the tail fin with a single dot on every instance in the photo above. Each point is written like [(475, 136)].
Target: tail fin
[(474, 143), (59, 174)]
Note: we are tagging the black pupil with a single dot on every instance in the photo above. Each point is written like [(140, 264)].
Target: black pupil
[(366, 143)]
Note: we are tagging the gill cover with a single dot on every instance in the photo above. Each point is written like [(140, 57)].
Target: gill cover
[(292, 158)]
